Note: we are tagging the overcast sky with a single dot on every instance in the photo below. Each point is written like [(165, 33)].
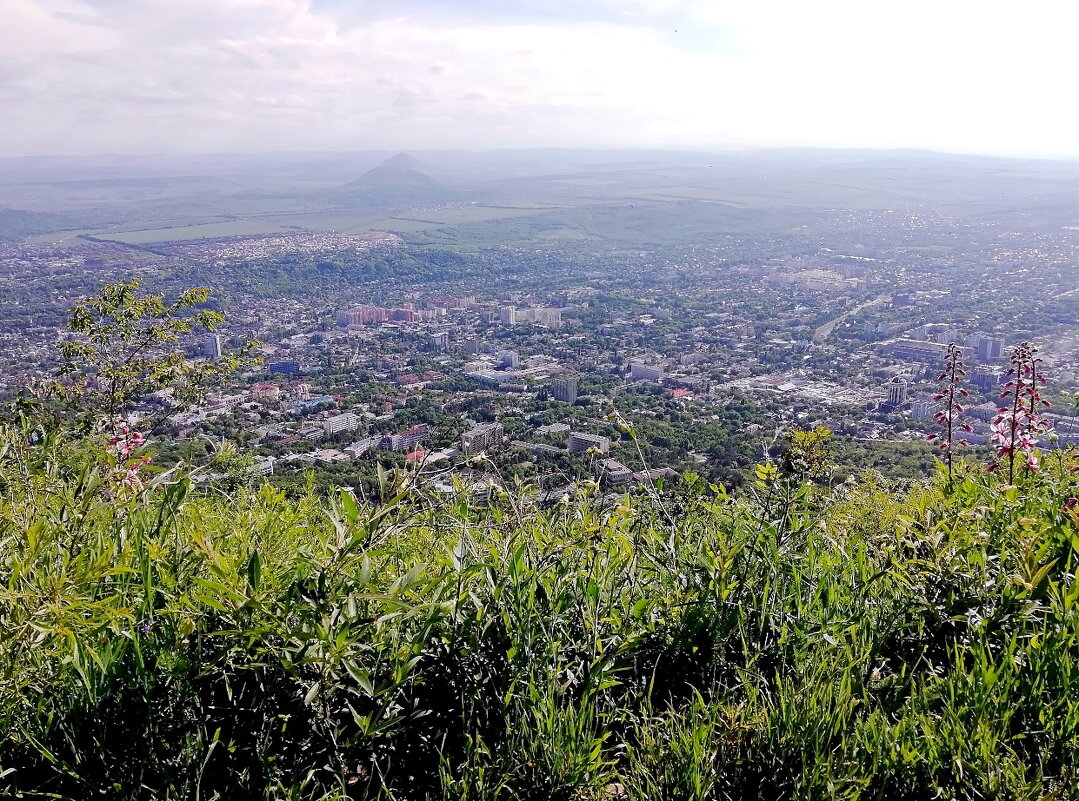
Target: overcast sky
[(147, 76)]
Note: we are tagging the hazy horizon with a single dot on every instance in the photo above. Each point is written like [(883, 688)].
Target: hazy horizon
[(130, 77)]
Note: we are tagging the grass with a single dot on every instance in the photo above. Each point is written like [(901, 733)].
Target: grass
[(861, 643), (211, 230)]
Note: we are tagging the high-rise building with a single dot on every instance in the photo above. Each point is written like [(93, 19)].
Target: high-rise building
[(472, 346), (564, 388), (579, 442), (985, 377), (897, 393), (482, 437), (361, 315), (989, 349), (509, 359), (552, 318), (508, 315), (440, 342), (211, 346)]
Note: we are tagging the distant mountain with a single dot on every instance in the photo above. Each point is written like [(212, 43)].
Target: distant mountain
[(398, 180), (401, 171)]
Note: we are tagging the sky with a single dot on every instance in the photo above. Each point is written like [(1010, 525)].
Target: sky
[(181, 76)]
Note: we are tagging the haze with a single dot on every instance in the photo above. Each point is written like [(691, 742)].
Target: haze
[(128, 76)]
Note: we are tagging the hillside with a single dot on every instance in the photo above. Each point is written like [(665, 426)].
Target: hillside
[(398, 180), (868, 641)]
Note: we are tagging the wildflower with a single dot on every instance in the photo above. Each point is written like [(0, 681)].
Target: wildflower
[(1016, 428), (947, 416)]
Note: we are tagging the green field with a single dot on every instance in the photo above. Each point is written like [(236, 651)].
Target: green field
[(421, 220), (214, 230)]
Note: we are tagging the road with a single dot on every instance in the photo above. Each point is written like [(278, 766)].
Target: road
[(825, 331)]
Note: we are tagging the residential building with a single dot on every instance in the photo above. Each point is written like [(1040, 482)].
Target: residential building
[(915, 349), (340, 422), (613, 473), (985, 377), (482, 437), (360, 447), (285, 367), (579, 442), (211, 346), (642, 371), (407, 439), (989, 349), (564, 388), (897, 393)]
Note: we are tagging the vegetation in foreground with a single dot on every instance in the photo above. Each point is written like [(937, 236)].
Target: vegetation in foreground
[(867, 643)]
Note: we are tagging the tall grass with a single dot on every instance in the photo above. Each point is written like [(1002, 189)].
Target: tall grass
[(875, 642)]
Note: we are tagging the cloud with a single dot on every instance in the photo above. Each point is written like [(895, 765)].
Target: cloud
[(255, 75)]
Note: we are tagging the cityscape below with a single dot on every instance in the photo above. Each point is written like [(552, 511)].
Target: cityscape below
[(441, 320)]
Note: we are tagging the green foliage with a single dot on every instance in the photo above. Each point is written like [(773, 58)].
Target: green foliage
[(125, 345), (868, 643)]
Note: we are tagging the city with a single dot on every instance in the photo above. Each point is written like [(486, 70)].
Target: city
[(705, 352)]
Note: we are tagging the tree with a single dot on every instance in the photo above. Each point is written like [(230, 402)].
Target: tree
[(126, 345)]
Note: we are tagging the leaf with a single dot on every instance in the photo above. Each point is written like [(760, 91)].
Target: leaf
[(254, 570), (348, 503)]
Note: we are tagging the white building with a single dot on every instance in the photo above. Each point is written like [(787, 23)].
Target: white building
[(641, 371), (340, 422)]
